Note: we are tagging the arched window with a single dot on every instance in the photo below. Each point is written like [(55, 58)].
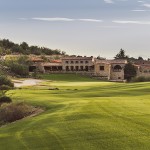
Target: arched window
[(67, 68), (81, 68), (72, 68), (86, 68), (117, 68), (77, 68)]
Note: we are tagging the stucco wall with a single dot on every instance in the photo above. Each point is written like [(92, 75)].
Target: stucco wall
[(79, 64)]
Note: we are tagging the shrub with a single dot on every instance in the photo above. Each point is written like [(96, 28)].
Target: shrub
[(19, 69), (15, 111), (5, 99), (5, 81), (5, 87), (140, 79), (35, 74), (18, 66)]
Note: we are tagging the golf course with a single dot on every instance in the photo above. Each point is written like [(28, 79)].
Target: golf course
[(81, 113)]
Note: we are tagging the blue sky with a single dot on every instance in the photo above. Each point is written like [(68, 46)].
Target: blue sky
[(85, 27)]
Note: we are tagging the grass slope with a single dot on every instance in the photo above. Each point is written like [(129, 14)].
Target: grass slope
[(95, 116)]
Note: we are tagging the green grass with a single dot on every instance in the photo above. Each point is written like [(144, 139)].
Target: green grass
[(95, 116), (66, 77)]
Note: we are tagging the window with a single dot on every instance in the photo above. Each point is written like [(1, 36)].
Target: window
[(102, 68), (72, 68), (67, 68), (81, 62), (81, 68), (86, 68), (72, 62), (67, 62), (86, 62), (77, 62), (77, 68), (117, 68)]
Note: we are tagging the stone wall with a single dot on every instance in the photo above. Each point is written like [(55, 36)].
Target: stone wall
[(117, 74), (144, 70), (102, 73)]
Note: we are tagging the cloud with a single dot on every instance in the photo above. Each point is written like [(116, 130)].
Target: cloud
[(141, 1), (108, 1), (90, 20), (146, 5), (67, 19), (113, 1), (53, 19), (23, 18), (112, 27), (131, 22), (139, 10), (122, 0)]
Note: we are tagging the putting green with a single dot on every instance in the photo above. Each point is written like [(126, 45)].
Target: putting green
[(82, 115)]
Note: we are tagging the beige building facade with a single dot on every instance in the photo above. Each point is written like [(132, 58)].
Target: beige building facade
[(143, 68), (110, 69), (103, 69), (93, 67), (78, 64)]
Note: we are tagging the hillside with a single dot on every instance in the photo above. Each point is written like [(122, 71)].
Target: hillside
[(9, 47)]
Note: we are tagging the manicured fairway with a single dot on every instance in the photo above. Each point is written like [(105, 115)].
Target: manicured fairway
[(67, 77), (82, 116)]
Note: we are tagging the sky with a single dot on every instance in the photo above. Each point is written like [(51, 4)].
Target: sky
[(80, 27)]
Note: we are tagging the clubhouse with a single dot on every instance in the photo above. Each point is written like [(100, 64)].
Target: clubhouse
[(103, 69)]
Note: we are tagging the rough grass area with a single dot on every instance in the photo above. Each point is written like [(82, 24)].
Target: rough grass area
[(16, 111), (95, 116), (67, 77)]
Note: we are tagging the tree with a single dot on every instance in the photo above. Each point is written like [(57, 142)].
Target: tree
[(140, 58), (23, 48), (100, 58), (121, 55), (24, 45), (1, 51), (6, 44), (20, 69), (129, 71), (63, 53), (19, 66)]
